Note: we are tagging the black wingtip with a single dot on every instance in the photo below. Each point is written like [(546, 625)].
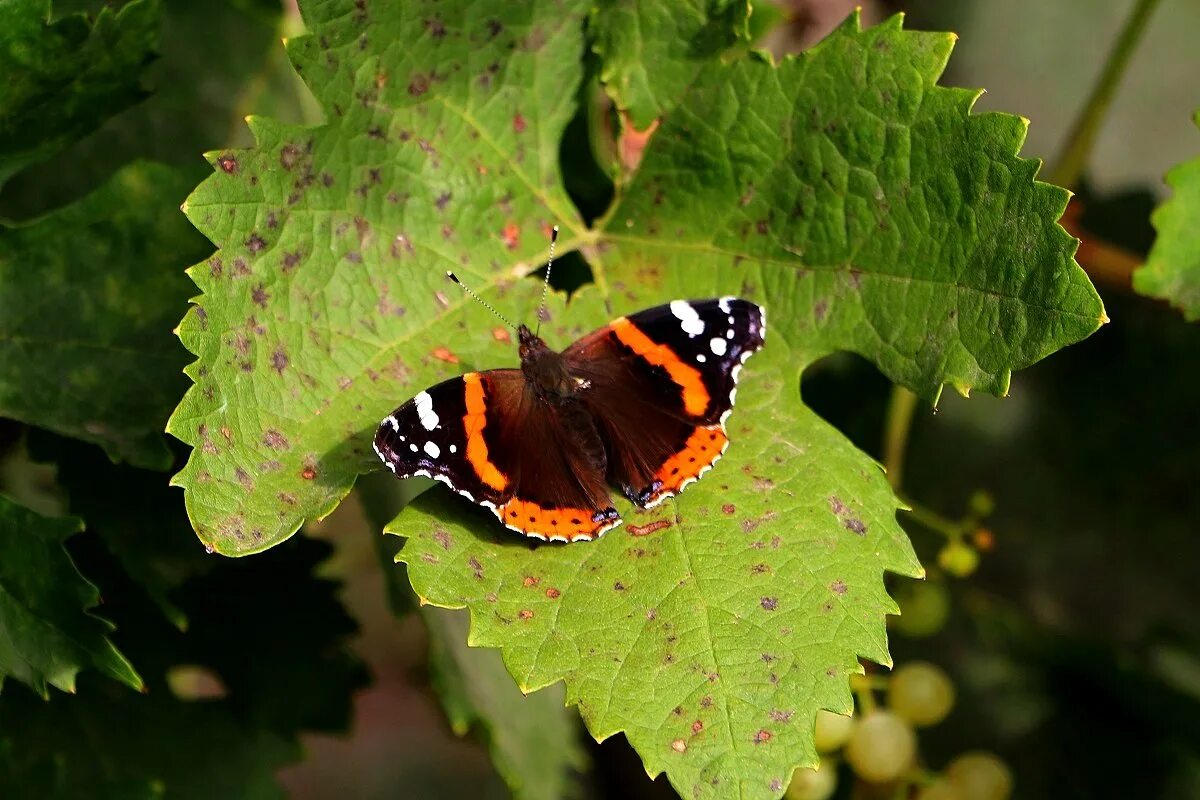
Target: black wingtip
[(453, 277), (554, 234)]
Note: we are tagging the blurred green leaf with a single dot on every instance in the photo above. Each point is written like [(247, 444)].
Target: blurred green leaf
[(88, 296), (1172, 270), (63, 78), (48, 634)]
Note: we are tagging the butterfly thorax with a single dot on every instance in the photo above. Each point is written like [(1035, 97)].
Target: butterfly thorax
[(544, 368)]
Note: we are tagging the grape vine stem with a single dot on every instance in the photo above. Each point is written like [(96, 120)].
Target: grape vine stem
[(1078, 148)]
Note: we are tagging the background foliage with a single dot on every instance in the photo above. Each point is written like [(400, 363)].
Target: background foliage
[(865, 204)]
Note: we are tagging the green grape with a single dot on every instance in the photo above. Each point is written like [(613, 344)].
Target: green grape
[(924, 607), (982, 504), (958, 558), (921, 693), (881, 747), (980, 776), (813, 784), (832, 731), (939, 790)]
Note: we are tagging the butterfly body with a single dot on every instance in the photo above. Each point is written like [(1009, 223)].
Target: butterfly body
[(639, 404)]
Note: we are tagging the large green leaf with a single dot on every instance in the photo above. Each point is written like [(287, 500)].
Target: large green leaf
[(86, 308), (48, 634), (533, 743), (63, 78), (651, 51), (327, 302), (863, 205), (1172, 270)]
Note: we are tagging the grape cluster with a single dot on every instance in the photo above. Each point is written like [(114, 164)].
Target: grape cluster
[(879, 744)]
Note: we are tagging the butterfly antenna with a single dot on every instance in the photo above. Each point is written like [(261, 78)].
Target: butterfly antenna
[(481, 301), (546, 284)]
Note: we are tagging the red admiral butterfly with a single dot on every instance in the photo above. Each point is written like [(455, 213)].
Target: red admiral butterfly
[(640, 404)]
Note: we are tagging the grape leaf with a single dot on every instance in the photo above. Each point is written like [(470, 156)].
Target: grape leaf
[(1172, 270), (63, 78), (532, 742), (327, 301), (866, 207), (86, 299), (48, 634), (651, 52)]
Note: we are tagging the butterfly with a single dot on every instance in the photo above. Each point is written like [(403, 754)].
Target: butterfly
[(639, 404)]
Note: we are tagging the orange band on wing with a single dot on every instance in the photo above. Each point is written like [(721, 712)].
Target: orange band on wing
[(474, 421), (695, 396), (568, 523), (702, 449)]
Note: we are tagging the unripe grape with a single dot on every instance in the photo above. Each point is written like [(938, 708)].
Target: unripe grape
[(958, 558), (939, 790), (980, 776), (813, 784), (921, 693), (982, 504), (881, 747), (832, 731), (924, 607)]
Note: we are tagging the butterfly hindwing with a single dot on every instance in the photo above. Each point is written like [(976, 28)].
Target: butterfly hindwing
[(539, 468)]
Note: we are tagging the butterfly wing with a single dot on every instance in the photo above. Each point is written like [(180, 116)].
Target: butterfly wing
[(660, 385), (539, 468)]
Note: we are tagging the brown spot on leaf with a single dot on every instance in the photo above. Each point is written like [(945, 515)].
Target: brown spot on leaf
[(255, 243), (228, 163), (286, 499), (476, 567), (728, 508), (260, 296), (444, 354), (769, 603), (855, 525), (419, 85), (443, 200), (525, 613), (838, 587), (243, 478), (819, 309), (530, 580), (279, 359), (275, 440), (762, 736), (618, 586), (679, 745), (518, 123), (780, 716), (552, 593), (310, 469), (646, 530), (511, 235), (442, 537), (697, 726), (759, 569), (500, 334)]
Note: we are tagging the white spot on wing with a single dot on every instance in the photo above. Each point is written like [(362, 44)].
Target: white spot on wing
[(392, 421), (729, 333), (432, 449), (453, 448), (429, 418), (724, 304), (700, 357), (689, 320), (717, 345), (412, 447)]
